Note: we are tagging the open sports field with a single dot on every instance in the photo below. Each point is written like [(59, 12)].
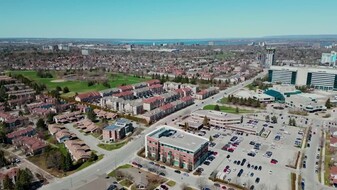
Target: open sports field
[(79, 86)]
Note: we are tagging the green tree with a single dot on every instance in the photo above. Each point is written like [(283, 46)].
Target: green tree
[(58, 88), (55, 93), (328, 103), (24, 179), (66, 90), (274, 119), (50, 117), (217, 107), (290, 122), (267, 118), (91, 114), (3, 160), (40, 124), (8, 183), (67, 162), (93, 157), (237, 110), (3, 131)]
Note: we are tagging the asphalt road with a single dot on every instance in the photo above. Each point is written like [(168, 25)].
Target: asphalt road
[(125, 154)]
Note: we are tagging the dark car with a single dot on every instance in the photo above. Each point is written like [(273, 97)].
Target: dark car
[(243, 162), (234, 138), (260, 168), (252, 143), (235, 161), (163, 187), (207, 163), (255, 168), (228, 156), (252, 154), (252, 187), (177, 171), (238, 162), (240, 173), (162, 174), (248, 165), (257, 180), (163, 167)]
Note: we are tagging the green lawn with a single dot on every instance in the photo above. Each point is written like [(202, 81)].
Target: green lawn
[(327, 162), (113, 173), (80, 86), (112, 146), (227, 109), (171, 183), (88, 163)]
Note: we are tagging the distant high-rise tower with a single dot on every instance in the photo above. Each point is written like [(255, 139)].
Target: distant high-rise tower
[(270, 57)]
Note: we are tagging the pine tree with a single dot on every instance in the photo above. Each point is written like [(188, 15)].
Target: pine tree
[(91, 115), (217, 107), (67, 162)]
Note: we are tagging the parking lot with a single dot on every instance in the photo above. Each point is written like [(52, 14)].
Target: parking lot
[(265, 157)]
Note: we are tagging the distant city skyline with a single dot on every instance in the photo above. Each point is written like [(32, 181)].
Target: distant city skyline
[(165, 19)]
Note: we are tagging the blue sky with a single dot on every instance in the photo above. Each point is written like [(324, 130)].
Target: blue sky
[(165, 19)]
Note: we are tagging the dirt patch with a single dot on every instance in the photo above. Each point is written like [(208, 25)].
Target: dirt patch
[(58, 80)]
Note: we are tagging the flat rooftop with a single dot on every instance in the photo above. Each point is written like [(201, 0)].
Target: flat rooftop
[(216, 114), (178, 138)]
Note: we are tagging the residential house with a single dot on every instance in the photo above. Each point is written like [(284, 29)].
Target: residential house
[(79, 151), (29, 131), (30, 145), (88, 97)]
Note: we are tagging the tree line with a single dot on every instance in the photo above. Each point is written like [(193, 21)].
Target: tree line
[(44, 74), (243, 101)]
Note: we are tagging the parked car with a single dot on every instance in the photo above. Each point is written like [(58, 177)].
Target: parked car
[(240, 173), (177, 171), (273, 161), (257, 180)]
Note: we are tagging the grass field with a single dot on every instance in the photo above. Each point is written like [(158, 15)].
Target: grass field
[(80, 86), (112, 146), (227, 109)]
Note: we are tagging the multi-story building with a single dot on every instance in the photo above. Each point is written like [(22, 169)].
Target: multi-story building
[(329, 58), (305, 102), (152, 103), (117, 131), (176, 147), (217, 118), (270, 57), (322, 78)]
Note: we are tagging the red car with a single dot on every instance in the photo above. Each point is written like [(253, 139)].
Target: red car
[(273, 161), (215, 153)]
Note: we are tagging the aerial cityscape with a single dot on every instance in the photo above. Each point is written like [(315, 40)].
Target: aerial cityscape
[(168, 95)]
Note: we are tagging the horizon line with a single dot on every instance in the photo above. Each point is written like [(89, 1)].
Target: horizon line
[(206, 38)]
